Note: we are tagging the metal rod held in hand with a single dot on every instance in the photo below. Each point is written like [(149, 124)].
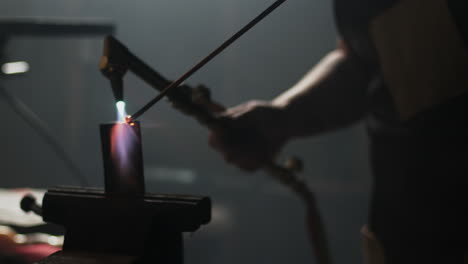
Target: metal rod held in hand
[(207, 59)]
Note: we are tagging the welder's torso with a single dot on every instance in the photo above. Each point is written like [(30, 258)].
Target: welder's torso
[(417, 52), (418, 47)]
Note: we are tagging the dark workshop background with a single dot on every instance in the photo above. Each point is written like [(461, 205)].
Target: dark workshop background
[(255, 219)]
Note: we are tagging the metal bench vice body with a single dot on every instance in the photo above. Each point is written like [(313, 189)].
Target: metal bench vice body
[(120, 221)]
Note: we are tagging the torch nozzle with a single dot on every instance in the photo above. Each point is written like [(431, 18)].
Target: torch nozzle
[(117, 88)]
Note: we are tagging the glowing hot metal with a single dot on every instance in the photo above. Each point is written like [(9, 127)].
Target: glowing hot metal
[(123, 159)]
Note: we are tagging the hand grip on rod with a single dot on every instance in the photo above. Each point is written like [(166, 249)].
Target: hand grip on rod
[(285, 174)]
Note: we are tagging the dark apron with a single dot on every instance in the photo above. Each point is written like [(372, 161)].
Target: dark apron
[(420, 166)]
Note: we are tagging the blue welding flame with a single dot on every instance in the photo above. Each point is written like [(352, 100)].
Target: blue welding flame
[(121, 112)]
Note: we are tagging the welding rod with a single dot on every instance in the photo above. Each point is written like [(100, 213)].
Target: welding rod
[(208, 58)]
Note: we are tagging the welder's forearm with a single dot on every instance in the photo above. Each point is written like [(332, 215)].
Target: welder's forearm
[(331, 96)]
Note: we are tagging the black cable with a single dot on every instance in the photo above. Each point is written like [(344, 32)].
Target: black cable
[(41, 128)]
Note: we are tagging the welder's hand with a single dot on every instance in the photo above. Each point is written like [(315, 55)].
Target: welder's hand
[(254, 133)]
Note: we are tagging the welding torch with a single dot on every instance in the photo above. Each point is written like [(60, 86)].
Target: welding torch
[(117, 60), (196, 102)]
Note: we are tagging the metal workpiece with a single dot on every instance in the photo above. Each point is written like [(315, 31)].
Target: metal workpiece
[(122, 159)]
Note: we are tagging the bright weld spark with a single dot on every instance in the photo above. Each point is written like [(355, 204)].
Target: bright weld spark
[(15, 67), (121, 113), (128, 119)]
